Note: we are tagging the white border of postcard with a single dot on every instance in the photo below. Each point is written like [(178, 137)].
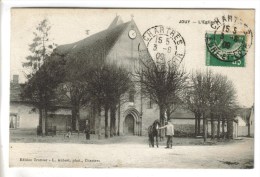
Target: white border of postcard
[(5, 171)]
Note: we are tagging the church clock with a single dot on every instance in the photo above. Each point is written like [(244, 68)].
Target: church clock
[(132, 34)]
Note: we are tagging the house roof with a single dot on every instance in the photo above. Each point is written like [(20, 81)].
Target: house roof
[(182, 114), (15, 96), (244, 113), (96, 45), (240, 121)]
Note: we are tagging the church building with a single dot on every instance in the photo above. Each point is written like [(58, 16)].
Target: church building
[(120, 44)]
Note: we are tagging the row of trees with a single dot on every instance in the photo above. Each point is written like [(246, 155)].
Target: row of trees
[(99, 86), (208, 95), (211, 96)]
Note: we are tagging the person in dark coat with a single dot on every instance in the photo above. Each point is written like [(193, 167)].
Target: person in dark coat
[(87, 130)]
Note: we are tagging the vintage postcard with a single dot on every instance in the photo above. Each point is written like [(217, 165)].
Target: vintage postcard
[(132, 88)]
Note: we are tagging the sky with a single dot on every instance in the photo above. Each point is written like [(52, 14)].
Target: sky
[(70, 25)]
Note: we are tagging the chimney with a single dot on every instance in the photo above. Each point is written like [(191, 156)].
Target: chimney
[(16, 79)]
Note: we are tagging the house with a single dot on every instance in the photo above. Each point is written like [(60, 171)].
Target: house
[(184, 121), (245, 118), (24, 115), (251, 121), (240, 127)]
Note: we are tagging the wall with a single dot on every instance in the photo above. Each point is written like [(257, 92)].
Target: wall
[(184, 125), (242, 131), (61, 121), (252, 122), (125, 51), (29, 116)]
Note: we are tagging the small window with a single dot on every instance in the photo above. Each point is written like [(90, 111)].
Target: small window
[(132, 95), (149, 103)]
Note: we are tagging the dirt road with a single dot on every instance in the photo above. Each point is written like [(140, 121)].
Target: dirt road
[(132, 153)]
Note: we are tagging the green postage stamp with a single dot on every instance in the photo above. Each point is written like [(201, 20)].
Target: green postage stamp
[(226, 50), (229, 43)]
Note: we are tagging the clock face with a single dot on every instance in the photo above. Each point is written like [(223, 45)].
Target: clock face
[(132, 34)]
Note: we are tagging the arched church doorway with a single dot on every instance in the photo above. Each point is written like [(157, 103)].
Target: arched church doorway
[(129, 125)]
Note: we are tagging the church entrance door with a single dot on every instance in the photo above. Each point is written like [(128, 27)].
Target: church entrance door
[(129, 125)]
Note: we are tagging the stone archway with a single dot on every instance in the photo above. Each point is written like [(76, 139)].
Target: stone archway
[(129, 125), (132, 122)]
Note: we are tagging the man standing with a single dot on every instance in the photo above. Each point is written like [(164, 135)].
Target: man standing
[(87, 130), (169, 133)]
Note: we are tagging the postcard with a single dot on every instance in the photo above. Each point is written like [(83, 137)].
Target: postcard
[(132, 88)]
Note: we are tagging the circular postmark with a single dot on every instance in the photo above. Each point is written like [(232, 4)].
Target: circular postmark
[(230, 40), (164, 44)]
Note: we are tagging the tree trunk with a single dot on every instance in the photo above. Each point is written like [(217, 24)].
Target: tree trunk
[(196, 125), (99, 122), (162, 121), (205, 131), (106, 122), (94, 119), (223, 127), (229, 128), (39, 131), (75, 118), (118, 126), (168, 113), (218, 131), (44, 120), (113, 121), (212, 126), (248, 133), (199, 117)]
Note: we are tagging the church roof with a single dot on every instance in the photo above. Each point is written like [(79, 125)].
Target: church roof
[(95, 45), (117, 21)]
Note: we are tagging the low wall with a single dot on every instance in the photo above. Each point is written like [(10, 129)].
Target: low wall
[(242, 131)]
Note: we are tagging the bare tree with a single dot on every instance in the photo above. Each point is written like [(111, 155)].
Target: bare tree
[(161, 82), (119, 84), (75, 88), (194, 98), (113, 83), (210, 95), (74, 91), (225, 101)]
